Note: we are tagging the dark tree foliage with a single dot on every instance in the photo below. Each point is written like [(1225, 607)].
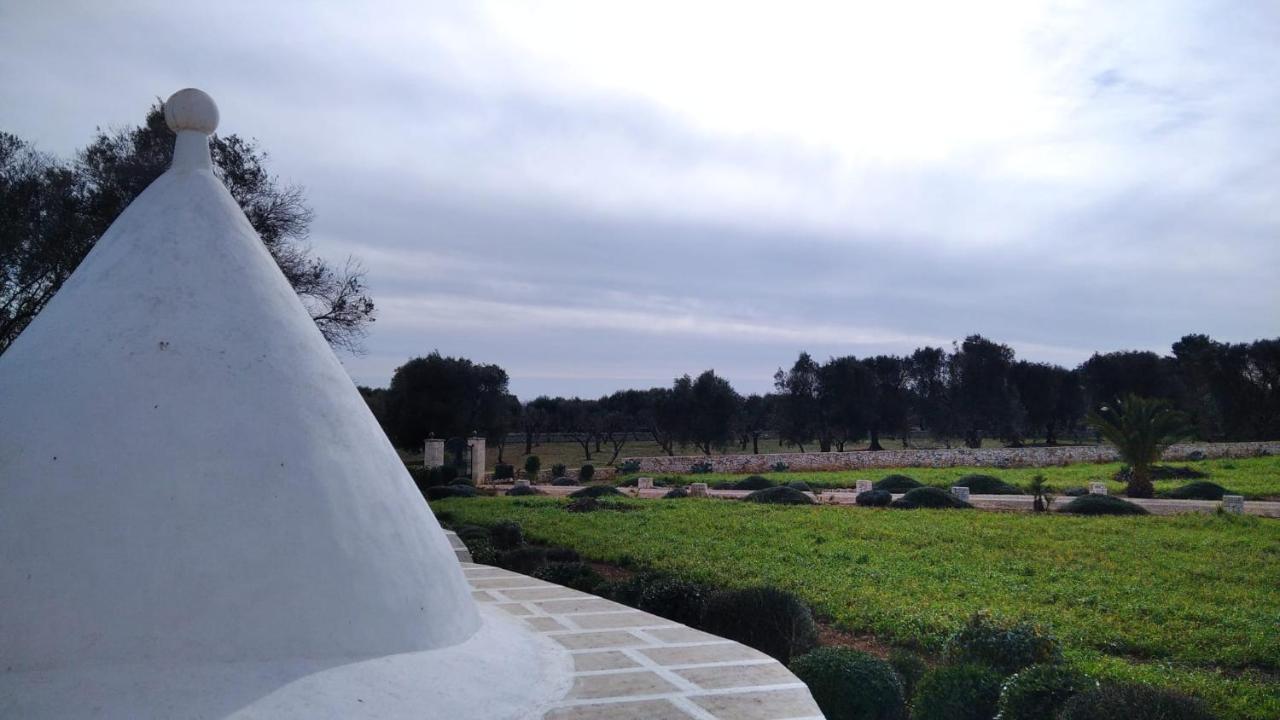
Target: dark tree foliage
[(889, 405), (1107, 378), (846, 391), (984, 396), (800, 415), (446, 397), (754, 420), (928, 372), (1050, 396), (52, 213)]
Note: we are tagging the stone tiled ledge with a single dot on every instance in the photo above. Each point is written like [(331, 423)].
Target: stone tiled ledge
[(983, 457), (630, 665)]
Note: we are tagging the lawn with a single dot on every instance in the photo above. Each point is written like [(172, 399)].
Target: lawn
[(1256, 478), (1186, 601)]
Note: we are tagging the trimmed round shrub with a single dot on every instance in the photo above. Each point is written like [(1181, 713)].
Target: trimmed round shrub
[(676, 494), (956, 692), (626, 591), (576, 575), (482, 551), (1202, 490), (595, 491), (929, 497), (448, 491), (521, 490), (851, 685), (468, 533), (874, 498), (523, 560), (1102, 505), (506, 535), (987, 485), (910, 668), (773, 621), (532, 465), (558, 470), (723, 485), (586, 472), (673, 598), (563, 481), (1039, 691), (896, 483), (1133, 702), (562, 555), (582, 505), (800, 485), (1005, 646), (504, 471), (780, 495), (753, 482)]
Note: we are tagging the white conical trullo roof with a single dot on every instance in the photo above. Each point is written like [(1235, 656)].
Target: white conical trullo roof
[(187, 474)]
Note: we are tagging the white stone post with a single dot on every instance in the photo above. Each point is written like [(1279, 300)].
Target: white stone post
[(477, 459), (1097, 488), (522, 482), (1233, 504), (433, 452), (644, 483), (698, 490), (864, 486), (961, 493)]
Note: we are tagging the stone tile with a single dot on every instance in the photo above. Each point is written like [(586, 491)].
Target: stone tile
[(545, 624), (702, 654), (774, 705), (552, 592), (583, 604), (603, 621), (721, 677), (484, 571), (482, 596), (643, 710), (592, 640), (619, 685), (682, 635), (499, 583), (607, 660), (515, 608)]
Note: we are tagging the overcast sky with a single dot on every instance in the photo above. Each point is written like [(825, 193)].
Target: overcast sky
[(597, 195)]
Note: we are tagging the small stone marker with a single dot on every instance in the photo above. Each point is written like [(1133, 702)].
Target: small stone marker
[(1233, 504), (961, 493), (644, 483), (522, 482), (1097, 488), (698, 490), (864, 486)]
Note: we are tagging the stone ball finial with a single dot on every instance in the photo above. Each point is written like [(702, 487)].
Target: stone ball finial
[(191, 109)]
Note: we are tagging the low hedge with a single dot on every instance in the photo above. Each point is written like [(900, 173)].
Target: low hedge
[(1005, 646), (849, 684), (524, 560), (957, 692), (595, 491), (576, 575), (775, 622), (929, 497), (1102, 505), (674, 598), (780, 495), (563, 481), (1039, 691), (874, 498), (506, 535), (1133, 702), (524, 490), (676, 493), (910, 668), (449, 491), (753, 482), (897, 483), (1202, 490), (987, 485)]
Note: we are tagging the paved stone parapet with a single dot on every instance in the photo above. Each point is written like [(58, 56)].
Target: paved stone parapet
[(983, 457), (630, 665)]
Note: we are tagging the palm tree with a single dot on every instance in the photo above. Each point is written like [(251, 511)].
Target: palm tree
[(1141, 429)]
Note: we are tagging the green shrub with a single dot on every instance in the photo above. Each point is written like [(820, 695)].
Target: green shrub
[(1005, 646), (563, 481), (629, 466), (723, 485), (1133, 702), (850, 685), (595, 491), (780, 495), (775, 622), (910, 668), (532, 465), (523, 560), (673, 598), (780, 467), (1202, 490), (753, 482), (583, 505), (929, 497), (586, 472), (468, 533), (626, 591), (504, 471), (874, 498), (558, 470), (482, 551), (506, 535), (1039, 691), (447, 491), (956, 692), (676, 494), (800, 485), (1102, 505), (701, 468), (576, 575), (524, 490), (987, 485), (563, 555), (896, 483)]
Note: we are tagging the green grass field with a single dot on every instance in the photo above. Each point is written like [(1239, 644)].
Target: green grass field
[(1255, 478), (1191, 602)]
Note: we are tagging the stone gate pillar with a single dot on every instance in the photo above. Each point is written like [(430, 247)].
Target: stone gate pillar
[(477, 458), (433, 452)]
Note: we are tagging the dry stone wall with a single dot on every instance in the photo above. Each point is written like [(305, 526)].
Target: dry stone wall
[(984, 457)]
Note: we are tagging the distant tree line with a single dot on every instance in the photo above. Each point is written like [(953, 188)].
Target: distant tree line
[(976, 390)]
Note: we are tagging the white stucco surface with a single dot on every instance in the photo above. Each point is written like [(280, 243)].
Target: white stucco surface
[(190, 484)]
